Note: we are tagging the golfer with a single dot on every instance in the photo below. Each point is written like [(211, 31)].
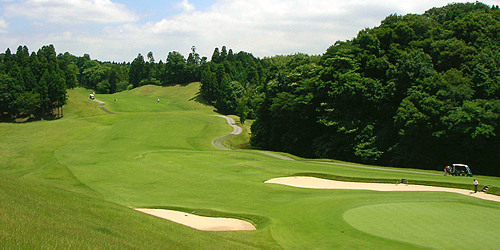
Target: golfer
[(475, 185)]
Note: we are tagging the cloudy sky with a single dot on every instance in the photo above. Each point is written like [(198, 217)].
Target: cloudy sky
[(117, 30)]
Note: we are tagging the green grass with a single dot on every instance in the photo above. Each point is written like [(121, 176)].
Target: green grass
[(35, 215), (241, 141), (78, 177), (439, 224)]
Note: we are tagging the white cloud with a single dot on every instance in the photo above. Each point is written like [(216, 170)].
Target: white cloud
[(72, 11), (186, 6), (3, 25), (266, 28), (262, 27)]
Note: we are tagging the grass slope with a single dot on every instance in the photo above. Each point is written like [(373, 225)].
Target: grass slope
[(158, 154), (41, 216)]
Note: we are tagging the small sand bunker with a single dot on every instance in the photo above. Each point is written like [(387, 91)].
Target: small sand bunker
[(318, 183), (200, 222)]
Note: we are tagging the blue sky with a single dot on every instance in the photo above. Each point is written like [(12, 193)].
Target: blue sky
[(117, 30), (157, 9)]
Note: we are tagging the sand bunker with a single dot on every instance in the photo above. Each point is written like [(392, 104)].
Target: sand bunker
[(200, 222), (317, 183)]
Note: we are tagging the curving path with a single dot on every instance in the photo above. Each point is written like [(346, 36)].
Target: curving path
[(236, 131)]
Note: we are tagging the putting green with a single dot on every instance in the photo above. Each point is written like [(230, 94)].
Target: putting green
[(430, 224)]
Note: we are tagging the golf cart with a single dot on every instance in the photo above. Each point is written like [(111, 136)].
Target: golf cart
[(460, 170)]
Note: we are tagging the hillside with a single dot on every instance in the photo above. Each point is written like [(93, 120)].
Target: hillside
[(73, 182), (43, 204), (419, 91)]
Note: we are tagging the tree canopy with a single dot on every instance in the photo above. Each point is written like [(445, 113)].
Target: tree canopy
[(418, 91), (33, 85)]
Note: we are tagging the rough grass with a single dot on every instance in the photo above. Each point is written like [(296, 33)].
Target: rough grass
[(72, 182)]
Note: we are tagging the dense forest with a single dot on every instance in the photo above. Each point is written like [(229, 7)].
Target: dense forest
[(417, 91), (33, 85)]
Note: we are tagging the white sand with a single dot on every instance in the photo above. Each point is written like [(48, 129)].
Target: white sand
[(200, 222), (317, 183)]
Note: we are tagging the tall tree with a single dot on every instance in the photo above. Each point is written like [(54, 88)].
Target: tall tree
[(136, 73)]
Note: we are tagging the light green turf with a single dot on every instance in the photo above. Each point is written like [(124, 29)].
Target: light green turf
[(159, 154), (430, 224)]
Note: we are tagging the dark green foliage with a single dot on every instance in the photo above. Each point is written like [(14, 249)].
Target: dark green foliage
[(233, 82), (137, 72), (176, 69), (418, 91), (34, 86)]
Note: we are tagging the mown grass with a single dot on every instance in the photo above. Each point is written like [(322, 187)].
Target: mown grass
[(241, 141), (77, 178), (436, 224)]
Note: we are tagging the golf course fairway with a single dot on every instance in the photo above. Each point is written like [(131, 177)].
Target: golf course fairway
[(75, 182)]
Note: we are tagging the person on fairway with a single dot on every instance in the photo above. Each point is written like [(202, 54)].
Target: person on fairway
[(475, 185)]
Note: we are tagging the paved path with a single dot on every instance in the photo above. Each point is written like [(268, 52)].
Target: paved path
[(282, 157), (100, 102), (230, 121), (102, 106), (374, 168), (236, 131)]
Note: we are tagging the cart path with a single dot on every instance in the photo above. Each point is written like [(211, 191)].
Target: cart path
[(236, 131), (374, 168), (102, 107), (230, 121)]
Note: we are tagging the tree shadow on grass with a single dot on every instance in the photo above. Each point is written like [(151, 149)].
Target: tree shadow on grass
[(199, 99)]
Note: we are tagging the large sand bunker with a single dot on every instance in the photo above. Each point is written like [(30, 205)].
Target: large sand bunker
[(317, 183), (200, 222)]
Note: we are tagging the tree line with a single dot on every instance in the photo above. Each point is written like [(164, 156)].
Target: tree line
[(33, 85), (417, 91), (111, 77)]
